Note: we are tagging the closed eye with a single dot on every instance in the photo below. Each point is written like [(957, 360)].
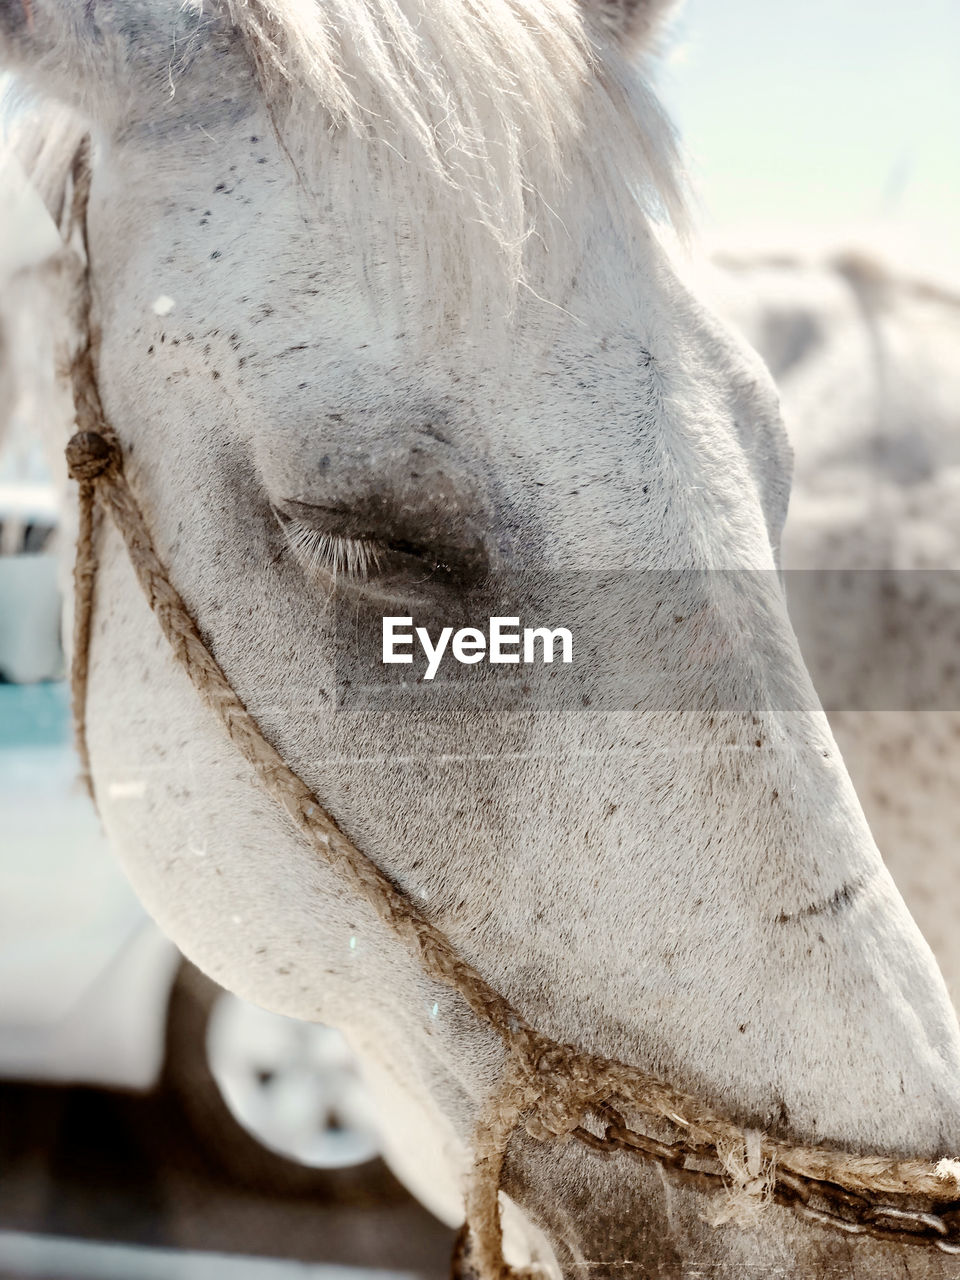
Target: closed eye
[(320, 553), (355, 557)]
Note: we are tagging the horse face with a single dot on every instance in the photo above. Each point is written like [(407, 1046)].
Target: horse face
[(683, 881)]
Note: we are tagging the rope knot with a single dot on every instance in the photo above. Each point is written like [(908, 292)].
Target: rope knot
[(548, 1124), (557, 1095), (90, 455)]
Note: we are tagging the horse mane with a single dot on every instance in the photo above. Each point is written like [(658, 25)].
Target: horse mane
[(489, 123)]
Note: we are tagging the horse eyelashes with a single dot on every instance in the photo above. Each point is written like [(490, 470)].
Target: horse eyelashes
[(329, 554), (396, 564)]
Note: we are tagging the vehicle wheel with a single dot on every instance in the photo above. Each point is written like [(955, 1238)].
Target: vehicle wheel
[(277, 1104)]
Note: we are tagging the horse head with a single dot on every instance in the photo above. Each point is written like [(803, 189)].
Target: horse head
[(384, 325)]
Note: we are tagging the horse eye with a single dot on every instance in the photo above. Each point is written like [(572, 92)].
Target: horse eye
[(396, 544), (326, 552)]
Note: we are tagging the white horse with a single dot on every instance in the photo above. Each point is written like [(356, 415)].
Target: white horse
[(376, 284), (864, 356)]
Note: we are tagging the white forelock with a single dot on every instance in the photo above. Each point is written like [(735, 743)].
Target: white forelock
[(492, 123)]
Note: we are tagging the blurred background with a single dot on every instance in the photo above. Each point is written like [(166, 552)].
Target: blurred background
[(832, 121), (154, 1126)]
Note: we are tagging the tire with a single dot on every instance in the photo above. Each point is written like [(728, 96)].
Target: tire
[(194, 1007)]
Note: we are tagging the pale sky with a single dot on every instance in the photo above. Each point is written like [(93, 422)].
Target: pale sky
[(826, 113)]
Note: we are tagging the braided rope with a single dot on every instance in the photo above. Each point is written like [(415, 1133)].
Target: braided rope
[(548, 1087)]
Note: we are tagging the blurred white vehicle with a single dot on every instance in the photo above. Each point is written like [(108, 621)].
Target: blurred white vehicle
[(90, 990), (84, 976), (29, 600), (92, 993)]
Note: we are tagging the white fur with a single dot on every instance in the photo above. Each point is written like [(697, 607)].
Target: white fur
[(653, 884), (866, 361)]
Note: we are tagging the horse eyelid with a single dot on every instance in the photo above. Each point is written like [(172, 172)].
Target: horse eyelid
[(319, 552)]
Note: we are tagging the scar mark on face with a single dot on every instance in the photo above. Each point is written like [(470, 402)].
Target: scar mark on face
[(434, 433), (837, 902)]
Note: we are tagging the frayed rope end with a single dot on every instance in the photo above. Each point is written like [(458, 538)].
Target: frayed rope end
[(750, 1182)]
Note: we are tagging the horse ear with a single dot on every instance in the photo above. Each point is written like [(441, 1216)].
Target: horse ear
[(634, 24)]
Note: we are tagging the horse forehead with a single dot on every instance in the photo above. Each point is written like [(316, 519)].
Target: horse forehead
[(315, 372), (261, 283)]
